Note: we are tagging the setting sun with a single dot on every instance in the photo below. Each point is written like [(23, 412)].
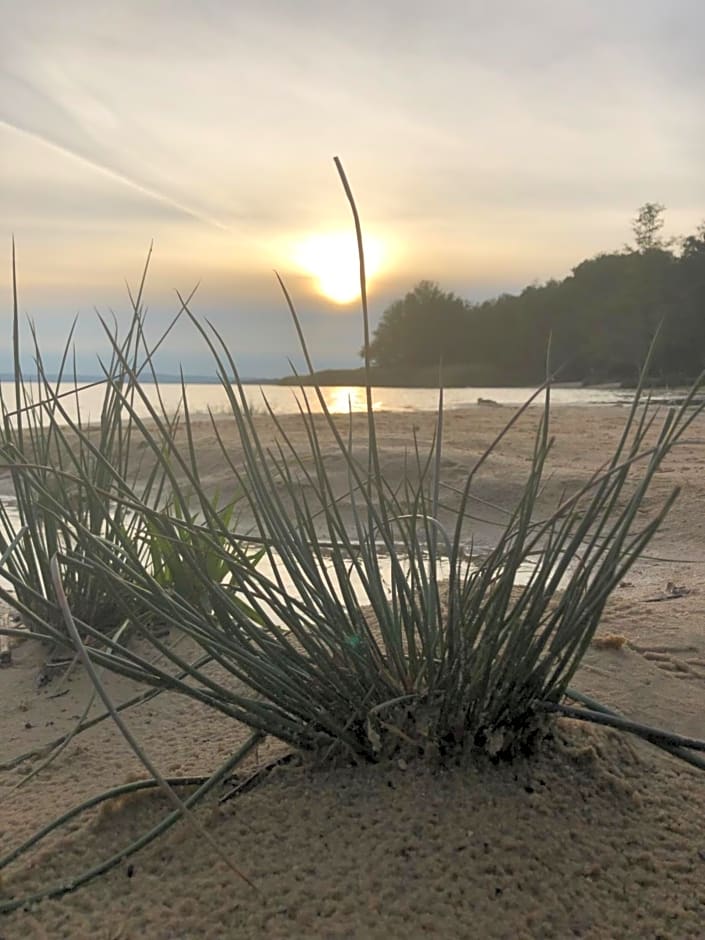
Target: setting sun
[(331, 259)]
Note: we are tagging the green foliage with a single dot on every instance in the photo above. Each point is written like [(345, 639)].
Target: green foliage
[(444, 651), (182, 555), (428, 325), (84, 487), (646, 226), (600, 320), (66, 474), (441, 652)]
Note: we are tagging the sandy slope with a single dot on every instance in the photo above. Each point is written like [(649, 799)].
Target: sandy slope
[(596, 838)]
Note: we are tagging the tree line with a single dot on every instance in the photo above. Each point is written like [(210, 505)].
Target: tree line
[(600, 320)]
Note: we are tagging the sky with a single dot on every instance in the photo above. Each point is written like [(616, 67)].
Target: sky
[(488, 146)]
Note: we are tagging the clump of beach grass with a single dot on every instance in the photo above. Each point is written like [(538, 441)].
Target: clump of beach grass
[(80, 479), (444, 652), (65, 468), (435, 652)]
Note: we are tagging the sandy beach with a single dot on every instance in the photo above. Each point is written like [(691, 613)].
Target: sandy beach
[(598, 836)]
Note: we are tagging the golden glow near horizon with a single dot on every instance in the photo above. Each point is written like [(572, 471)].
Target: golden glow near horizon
[(223, 156), (342, 399), (331, 259)]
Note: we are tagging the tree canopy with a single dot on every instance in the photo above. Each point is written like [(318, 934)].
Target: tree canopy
[(600, 319), (422, 328)]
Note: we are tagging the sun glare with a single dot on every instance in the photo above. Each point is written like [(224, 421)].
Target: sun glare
[(331, 260), (342, 399)]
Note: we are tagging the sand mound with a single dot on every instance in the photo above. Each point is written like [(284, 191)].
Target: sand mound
[(590, 839)]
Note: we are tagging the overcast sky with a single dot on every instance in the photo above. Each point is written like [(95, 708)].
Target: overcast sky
[(488, 146)]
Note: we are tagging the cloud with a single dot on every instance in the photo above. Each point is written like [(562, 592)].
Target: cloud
[(145, 190), (489, 143)]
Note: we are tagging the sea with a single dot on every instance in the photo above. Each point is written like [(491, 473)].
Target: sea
[(203, 398), (283, 399)]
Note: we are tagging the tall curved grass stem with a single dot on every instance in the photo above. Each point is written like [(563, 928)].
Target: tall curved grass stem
[(124, 789), (593, 705), (86, 725), (67, 738), (116, 859), (611, 720)]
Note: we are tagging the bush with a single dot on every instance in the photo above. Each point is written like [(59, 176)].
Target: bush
[(79, 486)]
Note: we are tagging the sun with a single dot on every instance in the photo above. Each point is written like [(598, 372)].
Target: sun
[(331, 259)]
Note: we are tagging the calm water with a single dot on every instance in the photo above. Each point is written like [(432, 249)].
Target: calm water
[(339, 399)]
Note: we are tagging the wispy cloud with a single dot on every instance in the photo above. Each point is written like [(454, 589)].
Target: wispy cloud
[(116, 175), (493, 143)]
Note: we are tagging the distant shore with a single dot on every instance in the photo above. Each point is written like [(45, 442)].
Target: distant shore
[(406, 377), (458, 376)]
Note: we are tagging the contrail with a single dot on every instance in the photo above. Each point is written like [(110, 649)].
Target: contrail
[(115, 175)]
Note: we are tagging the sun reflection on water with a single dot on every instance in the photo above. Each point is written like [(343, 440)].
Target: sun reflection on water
[(341, 399)]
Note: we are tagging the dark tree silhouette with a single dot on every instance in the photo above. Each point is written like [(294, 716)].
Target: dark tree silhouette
[(647, 224), (426, 327), (601, 319)]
